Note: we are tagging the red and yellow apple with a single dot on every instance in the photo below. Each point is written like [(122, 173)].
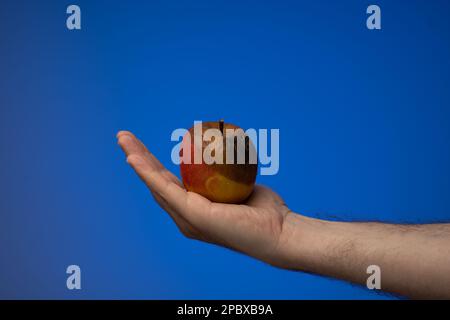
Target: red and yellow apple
[(219, 182)]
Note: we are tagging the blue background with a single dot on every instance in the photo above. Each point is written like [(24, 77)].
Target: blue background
[(363, 118)]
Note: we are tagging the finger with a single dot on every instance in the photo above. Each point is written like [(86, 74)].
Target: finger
[(159, 183), (139, 146), (156, 181), (131, 144), (169, 175), (193, 207)]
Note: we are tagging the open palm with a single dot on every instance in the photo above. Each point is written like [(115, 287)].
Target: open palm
[(253, 228)]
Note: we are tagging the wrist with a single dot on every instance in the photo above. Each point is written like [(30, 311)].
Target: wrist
[(304, 243), (323, 247)]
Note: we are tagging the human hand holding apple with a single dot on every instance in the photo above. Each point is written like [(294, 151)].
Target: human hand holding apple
[(253, 227)]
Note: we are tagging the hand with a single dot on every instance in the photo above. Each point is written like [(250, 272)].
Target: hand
[(254, 228)]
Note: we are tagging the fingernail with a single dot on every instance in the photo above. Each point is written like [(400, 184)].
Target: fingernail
[(121, 133)]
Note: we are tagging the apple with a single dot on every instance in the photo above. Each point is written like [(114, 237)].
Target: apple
[(220, 181)]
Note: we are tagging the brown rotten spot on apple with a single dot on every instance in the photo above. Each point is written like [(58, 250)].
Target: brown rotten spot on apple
[(222, 164)]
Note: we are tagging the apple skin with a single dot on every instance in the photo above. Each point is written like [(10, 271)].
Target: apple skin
[(226, 183)]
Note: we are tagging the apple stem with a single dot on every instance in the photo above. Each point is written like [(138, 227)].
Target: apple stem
[(221, 126)]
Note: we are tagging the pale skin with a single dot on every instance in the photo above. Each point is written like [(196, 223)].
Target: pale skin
[(414, 259)]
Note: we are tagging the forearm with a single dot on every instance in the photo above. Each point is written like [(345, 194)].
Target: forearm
[(414, 260)]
